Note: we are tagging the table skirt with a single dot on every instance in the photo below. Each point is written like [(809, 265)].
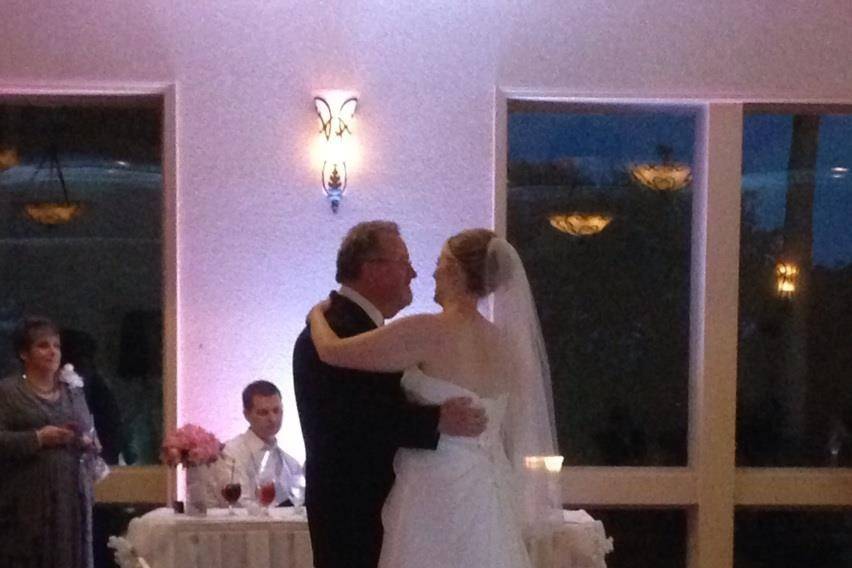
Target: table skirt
[(163, 539)]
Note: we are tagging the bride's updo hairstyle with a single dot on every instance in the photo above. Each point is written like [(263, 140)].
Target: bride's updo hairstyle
[(470, 249)]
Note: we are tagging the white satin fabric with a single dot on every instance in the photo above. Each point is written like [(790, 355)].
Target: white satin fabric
[(454, 507)]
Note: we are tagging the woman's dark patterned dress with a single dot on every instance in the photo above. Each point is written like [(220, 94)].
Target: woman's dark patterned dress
[(45, 494)]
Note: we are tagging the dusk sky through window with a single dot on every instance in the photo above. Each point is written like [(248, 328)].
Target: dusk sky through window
[(601, 143)]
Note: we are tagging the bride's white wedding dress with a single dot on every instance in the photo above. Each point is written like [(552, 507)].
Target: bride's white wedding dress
[(455, 506)]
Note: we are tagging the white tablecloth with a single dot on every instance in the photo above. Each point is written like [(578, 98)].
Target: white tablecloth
[(163, 539)]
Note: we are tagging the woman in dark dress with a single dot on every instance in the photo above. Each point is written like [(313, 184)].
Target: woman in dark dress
[(47, 442)]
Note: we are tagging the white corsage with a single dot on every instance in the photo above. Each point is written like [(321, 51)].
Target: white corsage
[(68, 376)]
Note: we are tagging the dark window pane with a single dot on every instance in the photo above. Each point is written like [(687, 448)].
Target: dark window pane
[(613, 302), (792, 539), (644, 537), (99, 275), (795, 355)]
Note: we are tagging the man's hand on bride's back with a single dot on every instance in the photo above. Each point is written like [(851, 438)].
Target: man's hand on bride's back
[(460, 418)]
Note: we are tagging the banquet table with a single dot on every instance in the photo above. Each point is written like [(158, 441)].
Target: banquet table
[(165, 539)]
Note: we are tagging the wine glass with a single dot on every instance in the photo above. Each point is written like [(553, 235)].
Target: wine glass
[(232, 490), (84, 439), (75, 427), (265, 482), (231, 493), (77, 443), (296, 492)]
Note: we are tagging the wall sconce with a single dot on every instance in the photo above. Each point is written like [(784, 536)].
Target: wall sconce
[(786, 277), (336, 127)]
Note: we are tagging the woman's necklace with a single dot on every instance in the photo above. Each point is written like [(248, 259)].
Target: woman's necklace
[(39, 390)]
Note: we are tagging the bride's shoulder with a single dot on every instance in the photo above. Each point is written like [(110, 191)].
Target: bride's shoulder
[(488, 330), (422, 323), (428, 331), (422, 319)]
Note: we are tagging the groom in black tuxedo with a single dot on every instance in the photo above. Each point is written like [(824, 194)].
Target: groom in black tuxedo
[(353, 421)]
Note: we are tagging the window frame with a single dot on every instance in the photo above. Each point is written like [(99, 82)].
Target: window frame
[(711, 486), (148, 483)]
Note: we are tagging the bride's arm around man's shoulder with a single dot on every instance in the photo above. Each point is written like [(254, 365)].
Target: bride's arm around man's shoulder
[(400, 344)]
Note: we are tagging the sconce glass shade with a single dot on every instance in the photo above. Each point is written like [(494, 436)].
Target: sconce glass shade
[(336, 127), (580, 224), (8, 158), (786, 277)]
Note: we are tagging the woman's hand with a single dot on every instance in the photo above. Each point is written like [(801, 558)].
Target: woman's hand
[(54, 436), (321, 307), (90, 444), (318, 309)]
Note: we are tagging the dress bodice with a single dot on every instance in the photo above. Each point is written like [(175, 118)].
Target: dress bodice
[(433, 390), (453, 507)]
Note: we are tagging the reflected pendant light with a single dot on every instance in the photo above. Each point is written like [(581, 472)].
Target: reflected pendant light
[(580, 224), (52, 213), (8, 158), (786, 278), (664, 176)]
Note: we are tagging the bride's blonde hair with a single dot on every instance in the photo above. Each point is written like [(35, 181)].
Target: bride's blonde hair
[(470, 249)]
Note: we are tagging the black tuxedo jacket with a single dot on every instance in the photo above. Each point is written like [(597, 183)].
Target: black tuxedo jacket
[(352, 423)]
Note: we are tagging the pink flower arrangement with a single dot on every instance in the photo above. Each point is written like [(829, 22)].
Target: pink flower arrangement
[(190, 445)]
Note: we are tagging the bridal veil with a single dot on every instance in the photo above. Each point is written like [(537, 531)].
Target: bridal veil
[(530, 426)]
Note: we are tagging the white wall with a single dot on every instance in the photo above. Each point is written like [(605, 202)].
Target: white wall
[(256, 238)]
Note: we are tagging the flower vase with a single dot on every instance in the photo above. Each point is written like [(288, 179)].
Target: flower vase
[(196, 491)]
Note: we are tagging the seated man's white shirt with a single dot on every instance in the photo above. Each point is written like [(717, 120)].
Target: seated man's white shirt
[(245, 453)]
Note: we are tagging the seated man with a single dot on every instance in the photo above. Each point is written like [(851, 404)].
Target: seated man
[(243, 454)]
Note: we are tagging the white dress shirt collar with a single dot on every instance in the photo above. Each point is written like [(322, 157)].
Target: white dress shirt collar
[(364, 304), (255, 443)]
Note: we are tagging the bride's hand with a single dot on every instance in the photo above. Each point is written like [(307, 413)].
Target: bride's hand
[(319, 309)]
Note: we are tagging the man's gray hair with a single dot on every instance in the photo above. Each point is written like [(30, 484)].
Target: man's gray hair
[(361, 244)]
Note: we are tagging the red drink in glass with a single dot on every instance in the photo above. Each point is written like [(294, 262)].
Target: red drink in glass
[(231, 492), (266, 493)]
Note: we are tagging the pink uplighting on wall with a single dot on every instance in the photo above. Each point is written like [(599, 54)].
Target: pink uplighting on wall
[(255, 240)]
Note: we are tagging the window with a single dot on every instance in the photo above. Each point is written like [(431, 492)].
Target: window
[(81, 242), (644, 537), (794, 404), (606, 242), (793, 538), (703, 328)]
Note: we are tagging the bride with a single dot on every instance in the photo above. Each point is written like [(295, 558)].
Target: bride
[(469, 503)]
